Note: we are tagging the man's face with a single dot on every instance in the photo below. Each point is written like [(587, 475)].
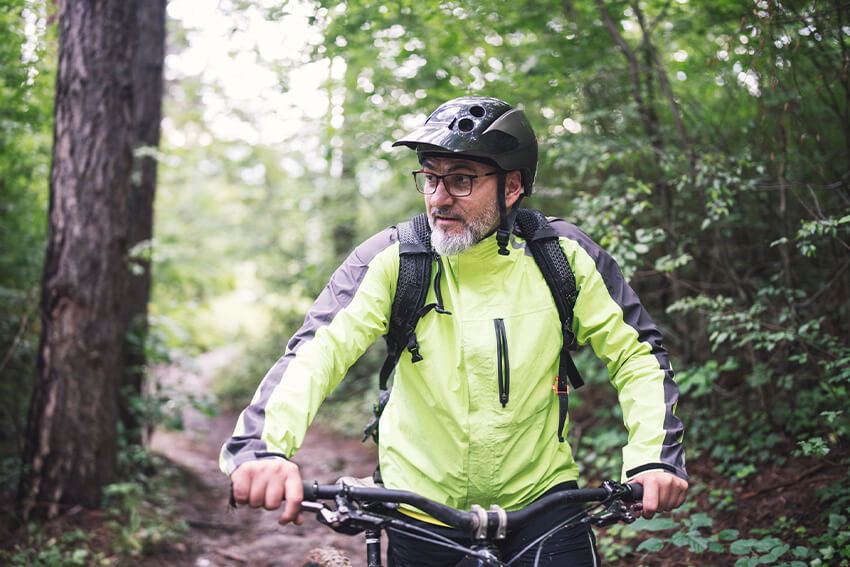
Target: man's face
[(458, 223)]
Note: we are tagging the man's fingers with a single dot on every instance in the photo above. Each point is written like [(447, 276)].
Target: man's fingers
[(241, 485), (681, 492), (257, 496), (672, 490), (274, 494), (285, 519), (294, 495), (650, 499), (662, 492), (266, 483)]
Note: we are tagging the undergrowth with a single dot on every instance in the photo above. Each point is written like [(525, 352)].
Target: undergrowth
[(138, 518), (740, 454)]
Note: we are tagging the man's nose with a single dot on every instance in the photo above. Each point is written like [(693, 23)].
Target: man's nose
[(441, 194)]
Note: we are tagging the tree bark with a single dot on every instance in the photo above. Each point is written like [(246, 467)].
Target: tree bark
[(147, 94), (72, 437)]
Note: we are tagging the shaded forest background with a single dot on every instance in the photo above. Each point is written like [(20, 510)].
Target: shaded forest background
[(705, 145)]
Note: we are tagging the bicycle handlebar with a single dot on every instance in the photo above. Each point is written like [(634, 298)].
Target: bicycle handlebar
[(446, 514), (474, 519)]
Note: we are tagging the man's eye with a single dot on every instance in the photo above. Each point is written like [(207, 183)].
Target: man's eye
[(430, 179), (458, 179)]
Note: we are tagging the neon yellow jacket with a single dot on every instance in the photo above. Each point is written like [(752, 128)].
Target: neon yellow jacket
[(444, 432)]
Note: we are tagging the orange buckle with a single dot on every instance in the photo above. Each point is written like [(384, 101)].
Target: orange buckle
[(557, 391)]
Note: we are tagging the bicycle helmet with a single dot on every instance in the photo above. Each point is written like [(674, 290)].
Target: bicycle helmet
[(479, 127)]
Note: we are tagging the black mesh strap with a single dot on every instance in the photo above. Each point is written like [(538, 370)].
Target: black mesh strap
[(414, 277), (542, 240)]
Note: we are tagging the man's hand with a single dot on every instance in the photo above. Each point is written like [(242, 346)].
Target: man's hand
[(265, 483), (662, 492)]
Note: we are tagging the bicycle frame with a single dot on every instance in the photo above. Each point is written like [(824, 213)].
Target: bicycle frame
[(364, 509)]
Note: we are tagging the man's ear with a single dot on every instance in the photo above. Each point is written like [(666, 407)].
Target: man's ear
[(513, 187)]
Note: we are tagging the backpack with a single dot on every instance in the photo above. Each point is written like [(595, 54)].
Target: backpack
[(414, 280)]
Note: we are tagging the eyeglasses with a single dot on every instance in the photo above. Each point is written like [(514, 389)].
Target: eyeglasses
[(457, 184)]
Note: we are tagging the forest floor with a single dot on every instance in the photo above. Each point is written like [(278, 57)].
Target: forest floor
[(219, 536)]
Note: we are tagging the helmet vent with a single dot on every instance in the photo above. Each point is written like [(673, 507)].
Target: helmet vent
[(477, 111), (466, 125)]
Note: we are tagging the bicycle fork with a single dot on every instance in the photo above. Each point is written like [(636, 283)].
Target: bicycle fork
[(373, 548)]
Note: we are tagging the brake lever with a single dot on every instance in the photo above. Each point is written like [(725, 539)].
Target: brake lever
[(346, 518), (613, 513), (312, 506)]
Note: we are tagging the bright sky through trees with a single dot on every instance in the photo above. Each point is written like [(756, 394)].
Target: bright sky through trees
[(238, 56)]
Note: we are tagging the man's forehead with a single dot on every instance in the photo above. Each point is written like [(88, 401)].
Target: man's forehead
[(451, 163)]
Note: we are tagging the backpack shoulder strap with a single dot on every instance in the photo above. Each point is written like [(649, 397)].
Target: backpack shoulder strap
[(542, 241), (414, 277)]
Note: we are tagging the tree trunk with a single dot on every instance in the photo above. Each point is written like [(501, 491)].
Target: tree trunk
[(642, 78), (72, 439), (147, 95)]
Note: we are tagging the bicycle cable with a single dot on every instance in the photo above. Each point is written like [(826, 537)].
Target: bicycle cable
[(566, 524), (435, 539)]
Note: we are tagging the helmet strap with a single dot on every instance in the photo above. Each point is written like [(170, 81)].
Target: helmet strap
[(506, 218)]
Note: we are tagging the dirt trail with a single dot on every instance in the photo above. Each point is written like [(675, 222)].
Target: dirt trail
[(223, 538)]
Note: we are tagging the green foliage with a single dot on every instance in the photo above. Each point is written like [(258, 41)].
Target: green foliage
[(140, 513), (696, 534), (795, 358), (27, 46), (711, 165), (163, 405), (69, 549)]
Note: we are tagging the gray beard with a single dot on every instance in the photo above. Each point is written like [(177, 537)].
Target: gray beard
[(473, 232)]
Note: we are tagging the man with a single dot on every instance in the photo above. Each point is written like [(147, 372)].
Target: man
[(475, 421)]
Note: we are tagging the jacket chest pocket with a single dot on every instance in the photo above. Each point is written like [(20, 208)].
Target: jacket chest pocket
[(513, 366)]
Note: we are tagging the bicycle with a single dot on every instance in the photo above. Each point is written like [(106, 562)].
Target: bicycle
[(361, 506)]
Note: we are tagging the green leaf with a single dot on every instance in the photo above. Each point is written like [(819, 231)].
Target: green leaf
[(766, 544), (692, 540), (801, 552), (716, 547), (651, 545), (656, 524), (837, 521), (775, 554), (700, 520), (742, 546)]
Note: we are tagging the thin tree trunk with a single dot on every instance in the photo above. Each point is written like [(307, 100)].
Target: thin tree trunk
[(147, 95), (72, 440), (643, 92)]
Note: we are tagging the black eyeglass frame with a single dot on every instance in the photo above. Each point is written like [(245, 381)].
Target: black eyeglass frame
[(443, 177)]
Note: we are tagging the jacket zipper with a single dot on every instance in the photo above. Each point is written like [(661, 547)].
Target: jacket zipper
[(504, 367)]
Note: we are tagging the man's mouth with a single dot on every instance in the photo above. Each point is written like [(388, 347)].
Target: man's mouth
[(445, 218)]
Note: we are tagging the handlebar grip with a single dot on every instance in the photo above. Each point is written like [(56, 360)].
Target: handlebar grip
[(311, 490), (636, 491)]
